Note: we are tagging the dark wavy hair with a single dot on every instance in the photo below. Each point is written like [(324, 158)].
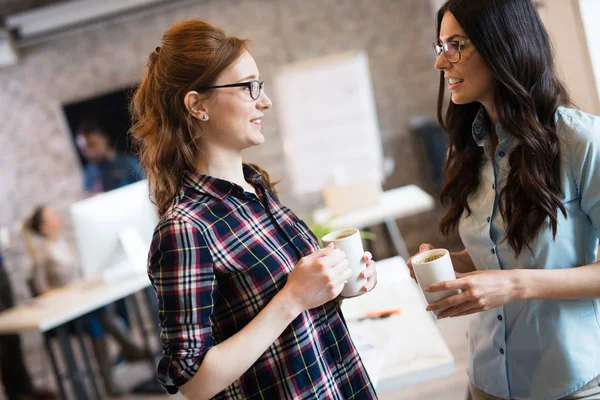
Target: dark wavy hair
[(192, 54), (510, 37)]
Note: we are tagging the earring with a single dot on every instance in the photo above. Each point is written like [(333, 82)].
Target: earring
[(204, 117)]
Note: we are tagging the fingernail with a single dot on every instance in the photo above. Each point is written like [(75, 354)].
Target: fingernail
[(428, 308), (426, 289), (365, 289)]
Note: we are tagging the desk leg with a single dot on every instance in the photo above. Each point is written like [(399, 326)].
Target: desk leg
[(397, 239), (74, 375), (86, 359), (59, 381)]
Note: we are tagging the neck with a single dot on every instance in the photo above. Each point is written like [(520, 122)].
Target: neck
[(491, 112), (223, 164)]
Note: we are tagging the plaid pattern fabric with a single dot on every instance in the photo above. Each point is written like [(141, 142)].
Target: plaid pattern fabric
[(218, 256)]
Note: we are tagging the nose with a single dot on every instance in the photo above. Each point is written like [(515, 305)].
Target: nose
[(441, 63), (264, 102)]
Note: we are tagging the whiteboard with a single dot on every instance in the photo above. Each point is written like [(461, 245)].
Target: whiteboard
[(327, 114)]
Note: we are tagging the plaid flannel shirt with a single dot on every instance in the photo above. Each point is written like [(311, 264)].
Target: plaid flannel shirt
[(218, 256)]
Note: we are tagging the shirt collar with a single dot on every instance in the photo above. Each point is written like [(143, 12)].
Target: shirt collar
[(220, 188), (481, 130)]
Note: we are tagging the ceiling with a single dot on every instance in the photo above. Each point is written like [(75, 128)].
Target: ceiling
[(8, 7)]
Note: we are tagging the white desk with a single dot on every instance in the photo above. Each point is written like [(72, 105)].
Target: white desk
[(60, 306), (50, 314), (399, 350), (402, 349), (393, 204)]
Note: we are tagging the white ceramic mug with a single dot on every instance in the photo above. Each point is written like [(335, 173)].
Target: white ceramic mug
[(349, 241), (429, 271)]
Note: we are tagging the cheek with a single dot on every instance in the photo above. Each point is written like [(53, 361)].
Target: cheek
[(233, 111), (481, 77)]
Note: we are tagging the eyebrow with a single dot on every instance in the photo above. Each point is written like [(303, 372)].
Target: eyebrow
[(452, 37), (249, 77)]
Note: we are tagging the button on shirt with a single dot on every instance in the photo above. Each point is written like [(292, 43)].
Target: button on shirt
[(537, 349), (218, 256)]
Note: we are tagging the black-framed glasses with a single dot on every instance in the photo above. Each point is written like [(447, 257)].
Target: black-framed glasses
[(451, 49), (255, 87)]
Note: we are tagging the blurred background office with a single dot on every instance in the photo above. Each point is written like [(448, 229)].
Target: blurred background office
[(67, 64)]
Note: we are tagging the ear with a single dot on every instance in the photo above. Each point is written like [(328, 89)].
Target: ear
[(196, 104)]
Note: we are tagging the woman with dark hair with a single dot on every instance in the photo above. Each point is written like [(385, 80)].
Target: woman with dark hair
[(246, 296), (522, 182)]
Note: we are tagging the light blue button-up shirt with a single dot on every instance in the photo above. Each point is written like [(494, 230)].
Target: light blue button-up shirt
[(537, 349)]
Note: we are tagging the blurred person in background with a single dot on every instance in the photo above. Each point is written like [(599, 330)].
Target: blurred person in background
[(522, 182), (106, 168), (247, 299), (55, 265), (13, 372)]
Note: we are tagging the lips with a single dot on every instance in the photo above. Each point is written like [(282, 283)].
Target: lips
[(454, 81)]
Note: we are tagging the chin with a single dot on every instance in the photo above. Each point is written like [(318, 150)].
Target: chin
[(256, 139), (462, 98), (459, 100)]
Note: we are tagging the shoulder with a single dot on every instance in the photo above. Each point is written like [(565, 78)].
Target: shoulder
[(580, 144), (192, 210), (125, 159), (577, 128)]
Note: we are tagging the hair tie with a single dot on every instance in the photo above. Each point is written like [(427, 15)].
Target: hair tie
[(157, 50)]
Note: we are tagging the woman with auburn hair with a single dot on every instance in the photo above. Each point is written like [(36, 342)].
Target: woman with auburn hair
[(522, 182), (246, 296)]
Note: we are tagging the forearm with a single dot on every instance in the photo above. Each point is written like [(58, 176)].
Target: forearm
[(462, 262), (227, 361), (565, 284)]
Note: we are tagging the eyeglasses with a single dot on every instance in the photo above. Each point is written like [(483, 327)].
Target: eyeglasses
[(255, 87), (451, 49)]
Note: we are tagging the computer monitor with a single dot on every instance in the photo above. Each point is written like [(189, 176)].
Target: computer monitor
[(113, 231)]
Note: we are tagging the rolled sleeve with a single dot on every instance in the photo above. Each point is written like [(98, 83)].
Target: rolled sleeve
[(182, 274), (585, 164)]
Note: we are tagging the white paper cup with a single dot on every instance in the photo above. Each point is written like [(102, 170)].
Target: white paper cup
[(349, 241), (434, 271)]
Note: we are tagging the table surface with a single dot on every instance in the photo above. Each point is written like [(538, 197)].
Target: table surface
[(59, 306), (404, 348), (399, 350), (395, 203)]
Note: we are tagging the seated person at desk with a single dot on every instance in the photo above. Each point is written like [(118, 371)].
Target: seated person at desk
[(54, 266), (106, 168)]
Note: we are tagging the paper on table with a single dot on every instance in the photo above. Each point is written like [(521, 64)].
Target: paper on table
[(372, 343), (380, 298)]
